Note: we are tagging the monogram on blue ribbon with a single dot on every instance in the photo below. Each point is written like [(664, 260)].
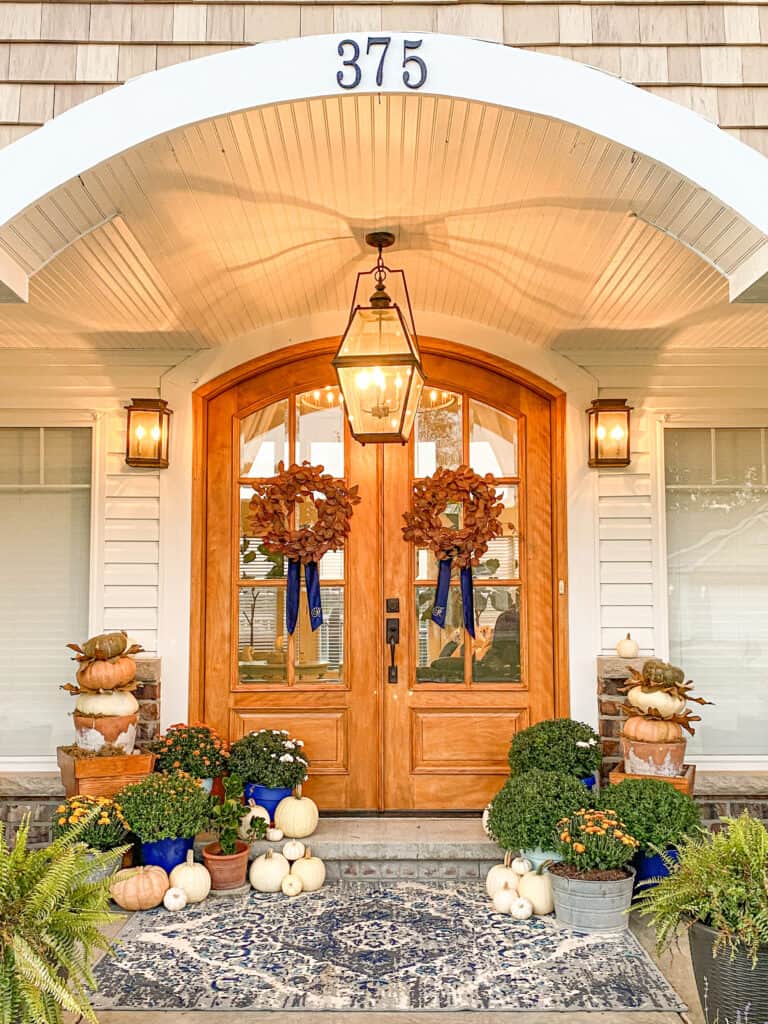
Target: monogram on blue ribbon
[(441, 596), (312, 581)]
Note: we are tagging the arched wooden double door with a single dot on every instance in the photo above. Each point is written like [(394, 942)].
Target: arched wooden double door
[(437, 738)]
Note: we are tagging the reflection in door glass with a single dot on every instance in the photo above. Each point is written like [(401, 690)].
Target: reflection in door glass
[(264, 440), (437, 432), (256, 563), (502, 559), (496, 651), (320, 654), (492, 441), (261, 635), (320, 429), (332, 563), (440, 651)]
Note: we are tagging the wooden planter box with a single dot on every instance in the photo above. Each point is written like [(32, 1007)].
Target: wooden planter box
[(684, 783), (102, 776)]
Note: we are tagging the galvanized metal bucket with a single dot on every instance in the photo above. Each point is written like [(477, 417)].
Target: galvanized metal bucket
[(593, 906)]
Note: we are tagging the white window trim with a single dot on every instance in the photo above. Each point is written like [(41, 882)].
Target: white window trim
[(96, 422), (710, 763)]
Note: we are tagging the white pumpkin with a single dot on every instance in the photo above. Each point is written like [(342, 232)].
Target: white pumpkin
[(294, 849), (107, 704), (667, 704), (297, 815), (521, 865), (254, 811), (627, 648), (499, 875), (521, 909), (193, 878), (268, 871), (310, 870), (504, 898), (292, 885), (175, 898), (538, 889), (274, 835), (486, 813)]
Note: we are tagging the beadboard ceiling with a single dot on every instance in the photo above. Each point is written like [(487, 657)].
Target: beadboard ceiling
[(514, 221)]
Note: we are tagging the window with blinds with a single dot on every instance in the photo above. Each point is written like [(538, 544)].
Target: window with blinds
[(717, 560), (45, 513)]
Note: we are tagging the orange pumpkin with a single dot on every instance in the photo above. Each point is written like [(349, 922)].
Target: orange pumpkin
[(648, 730), (107, 675), (139, 888)]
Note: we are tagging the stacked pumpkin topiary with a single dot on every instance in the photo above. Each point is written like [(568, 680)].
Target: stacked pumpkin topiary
[(106, 711)]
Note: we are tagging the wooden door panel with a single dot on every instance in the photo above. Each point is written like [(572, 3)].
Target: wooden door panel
[(466, 740)]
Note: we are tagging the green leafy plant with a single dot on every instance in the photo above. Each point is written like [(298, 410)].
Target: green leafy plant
[(719, 879), (98, 821), (196, 749), (51, 916), (525, 812), (269, 757), (556, 745), (165, 806), (654, 812), (226, 816), (594, 841)]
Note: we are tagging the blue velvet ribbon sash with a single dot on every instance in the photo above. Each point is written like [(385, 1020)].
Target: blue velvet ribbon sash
[(441, 596), (312, 581)]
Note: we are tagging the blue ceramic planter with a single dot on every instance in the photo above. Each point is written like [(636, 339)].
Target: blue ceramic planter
[(266, 796), (166, 853), (590, 782), (650, 865)]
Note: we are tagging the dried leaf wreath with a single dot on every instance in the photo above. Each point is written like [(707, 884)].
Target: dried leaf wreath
[(483, 507), (271, 512)]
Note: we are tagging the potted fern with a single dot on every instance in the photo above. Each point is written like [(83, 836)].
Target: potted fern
[(717, 890), (51, 916)]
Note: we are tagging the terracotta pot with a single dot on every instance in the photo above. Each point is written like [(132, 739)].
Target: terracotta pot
[(93, 731), (641, 758), (227, 870)]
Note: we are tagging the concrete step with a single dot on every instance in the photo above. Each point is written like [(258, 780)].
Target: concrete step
[(373, 848)]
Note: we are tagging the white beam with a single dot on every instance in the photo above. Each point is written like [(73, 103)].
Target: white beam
[(14, 281), (749, 281)]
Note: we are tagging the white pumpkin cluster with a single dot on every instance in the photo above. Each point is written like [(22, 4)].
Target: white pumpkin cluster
[(274, 872), (515, 888)]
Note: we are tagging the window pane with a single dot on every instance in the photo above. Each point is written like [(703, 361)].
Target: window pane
[(688, 456), (67, 457), (20, 455), (264, 440), (492, 441), (739, 456), (320, 654), (440, 656), (255, 562), (320, 429), (437, 432), (502, 560), (717, 559), (497, 635), (332, 563), (262, 635)]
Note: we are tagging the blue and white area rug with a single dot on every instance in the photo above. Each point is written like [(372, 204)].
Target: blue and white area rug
[(365, 946)]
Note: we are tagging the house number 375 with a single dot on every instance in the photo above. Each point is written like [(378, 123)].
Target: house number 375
[(351, 73)]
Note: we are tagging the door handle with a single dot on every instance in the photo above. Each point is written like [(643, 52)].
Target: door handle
[(393, 639)]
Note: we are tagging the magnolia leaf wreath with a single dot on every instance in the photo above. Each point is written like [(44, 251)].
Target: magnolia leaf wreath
[(272, 518), (481, 523)]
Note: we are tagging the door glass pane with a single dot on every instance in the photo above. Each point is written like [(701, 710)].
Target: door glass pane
[(67, 455), (502, 559), (437, 432), (261, 635), (492, 441), (320, 654), (255, 562), (426, 563), (20, 455), (497, 635), (688, 456), (264, 440), (440, 656), (739, 456), (320, 429)]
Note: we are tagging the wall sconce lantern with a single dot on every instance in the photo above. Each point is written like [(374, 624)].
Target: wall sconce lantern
[(148, 433), (377, 363), (609, 432)]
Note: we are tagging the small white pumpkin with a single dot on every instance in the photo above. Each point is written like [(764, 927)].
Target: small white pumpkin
[(499, 875), (667, 704), (268, 871), (486, 813), (292, 885), (175, 899), (254, 811), (294, 849), (274, 835), (521, 909), (297, 815), (193, 878), (627, 648), (310, 870), (537, 888), (504, 898), (521, 865)]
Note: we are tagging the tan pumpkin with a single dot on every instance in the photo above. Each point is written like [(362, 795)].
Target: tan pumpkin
[(139, 888), (649, 730), (107, 675), (297, 815)]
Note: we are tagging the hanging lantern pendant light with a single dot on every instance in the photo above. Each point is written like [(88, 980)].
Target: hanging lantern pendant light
[(377, 363)]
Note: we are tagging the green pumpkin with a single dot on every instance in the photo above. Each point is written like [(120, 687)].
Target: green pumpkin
[(106, 646), (661, 673)]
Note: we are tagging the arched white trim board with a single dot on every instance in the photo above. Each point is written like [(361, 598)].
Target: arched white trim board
[(458, 67)]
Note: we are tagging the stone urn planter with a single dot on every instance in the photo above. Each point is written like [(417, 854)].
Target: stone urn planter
[(658, 759), (592, 905), (729, 988), (227, 871)]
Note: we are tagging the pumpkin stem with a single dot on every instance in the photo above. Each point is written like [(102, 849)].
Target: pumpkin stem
[(251, 802), (544, 864), (268, 855), (307, 853), (297, 791), (190, 857), (508, 859)]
